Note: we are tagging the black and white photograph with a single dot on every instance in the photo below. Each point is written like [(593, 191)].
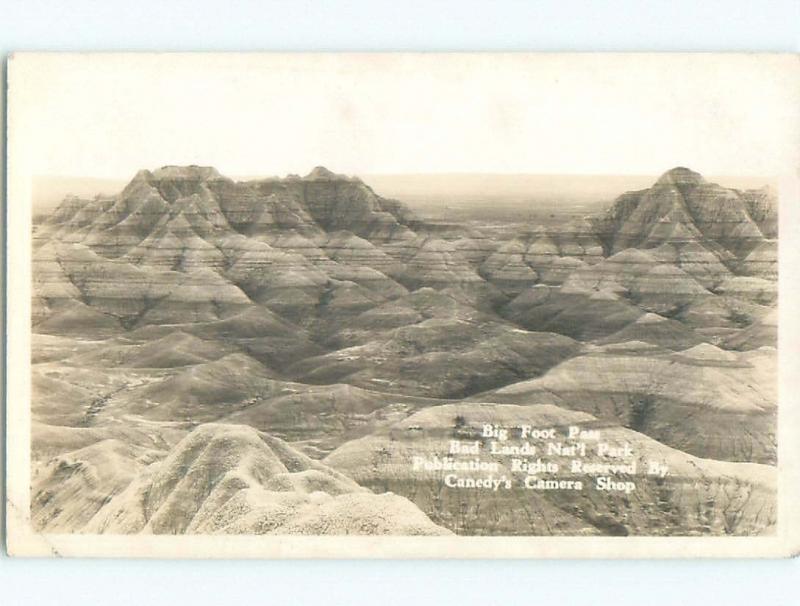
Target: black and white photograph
[(448, 305)]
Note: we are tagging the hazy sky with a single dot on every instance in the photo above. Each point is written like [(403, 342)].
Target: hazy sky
[(107, 117)]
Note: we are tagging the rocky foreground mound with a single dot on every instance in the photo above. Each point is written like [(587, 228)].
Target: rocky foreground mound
[(695, 497), (225, 479)]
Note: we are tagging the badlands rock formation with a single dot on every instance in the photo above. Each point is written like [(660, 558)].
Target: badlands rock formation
[(703, 400), (200, 344), (699, 495), (218, 479)]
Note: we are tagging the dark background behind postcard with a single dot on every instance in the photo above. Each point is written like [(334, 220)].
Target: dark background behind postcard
[(674, 25)]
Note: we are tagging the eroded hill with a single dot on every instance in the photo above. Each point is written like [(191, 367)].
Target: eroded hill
[(311, 316)]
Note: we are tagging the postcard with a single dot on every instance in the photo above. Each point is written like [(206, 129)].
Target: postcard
[(468, 305)]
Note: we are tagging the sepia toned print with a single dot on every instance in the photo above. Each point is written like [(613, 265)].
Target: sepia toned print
[(441, 355)]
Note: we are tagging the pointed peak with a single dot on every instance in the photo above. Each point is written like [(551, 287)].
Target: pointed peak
[(142, 175), (681, 175), (320, 173), (191, 172), (142, 179)]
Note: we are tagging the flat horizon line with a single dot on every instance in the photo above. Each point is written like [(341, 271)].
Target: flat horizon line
[(417, 174)]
